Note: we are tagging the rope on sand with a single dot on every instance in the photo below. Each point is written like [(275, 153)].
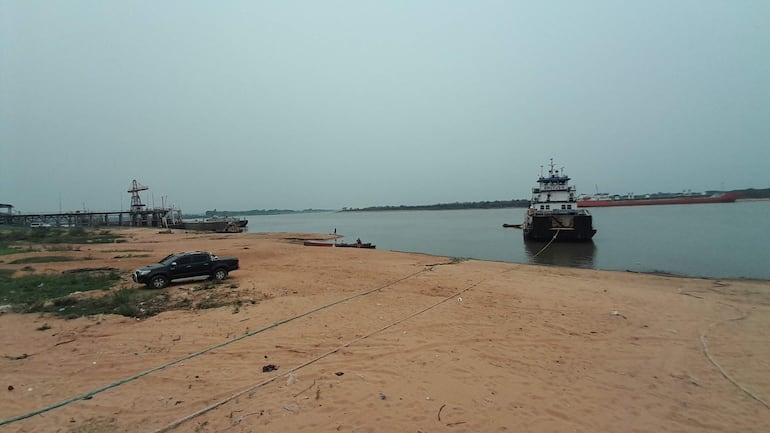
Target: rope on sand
[(90, 394), (215, 405), (704, 343)]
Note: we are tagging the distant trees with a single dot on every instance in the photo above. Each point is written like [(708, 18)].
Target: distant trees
[(225, 213), (752, 193), (498, 204)]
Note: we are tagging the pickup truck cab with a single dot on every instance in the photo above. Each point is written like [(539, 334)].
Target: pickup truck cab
[(185, 265)]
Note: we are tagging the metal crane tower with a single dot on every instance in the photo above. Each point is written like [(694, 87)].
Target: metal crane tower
[(136, 201)]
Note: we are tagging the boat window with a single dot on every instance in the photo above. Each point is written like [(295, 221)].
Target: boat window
[(569, 206), (547, 207)]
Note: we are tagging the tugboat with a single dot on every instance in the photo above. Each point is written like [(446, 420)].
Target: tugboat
[(553, 212)]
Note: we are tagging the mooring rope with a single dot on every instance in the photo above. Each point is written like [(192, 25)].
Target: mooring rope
[(548, 244), (90, 394), (219, 403), (704, 343)]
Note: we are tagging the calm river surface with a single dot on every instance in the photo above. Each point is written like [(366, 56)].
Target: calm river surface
[(729, 240)]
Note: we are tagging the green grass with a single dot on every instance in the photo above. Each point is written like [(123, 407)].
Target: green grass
[(26, 291), (53, 294), (55, 235), (62, 247), (44, 259), (125, 302), (4, 250)]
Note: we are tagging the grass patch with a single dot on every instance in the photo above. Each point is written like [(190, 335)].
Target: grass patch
[(4, 250), (125, 302), (53, 294), (27, 291), (62, 247), (44, 259), (55, 235)]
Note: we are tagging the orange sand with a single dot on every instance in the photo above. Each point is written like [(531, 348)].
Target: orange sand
[(430, 345)]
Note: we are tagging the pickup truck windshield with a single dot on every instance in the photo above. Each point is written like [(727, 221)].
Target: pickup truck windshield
[(169, 259)]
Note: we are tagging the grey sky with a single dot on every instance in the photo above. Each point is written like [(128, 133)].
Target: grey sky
[(298, 104)]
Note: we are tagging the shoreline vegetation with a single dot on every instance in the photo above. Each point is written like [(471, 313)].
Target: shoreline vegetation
[(744, 194), (84, 289)]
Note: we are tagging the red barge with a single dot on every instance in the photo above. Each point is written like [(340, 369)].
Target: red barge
[(605, 200)]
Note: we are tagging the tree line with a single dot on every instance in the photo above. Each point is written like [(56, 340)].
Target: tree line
[(497, 204), (749, 193)]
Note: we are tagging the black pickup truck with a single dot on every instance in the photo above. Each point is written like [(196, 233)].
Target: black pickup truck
[(185, 265)]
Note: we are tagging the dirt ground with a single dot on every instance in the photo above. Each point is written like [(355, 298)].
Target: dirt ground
[(352, 340)]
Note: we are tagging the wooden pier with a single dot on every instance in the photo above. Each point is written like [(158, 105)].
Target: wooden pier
[(137, 216), (159, 217)]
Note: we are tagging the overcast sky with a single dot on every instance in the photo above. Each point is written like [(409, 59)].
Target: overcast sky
[(327, 104)]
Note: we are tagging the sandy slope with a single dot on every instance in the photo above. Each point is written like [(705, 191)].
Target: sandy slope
[(418, 344)]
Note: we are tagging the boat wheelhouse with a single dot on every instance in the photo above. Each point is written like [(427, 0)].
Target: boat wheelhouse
[(554, 213)]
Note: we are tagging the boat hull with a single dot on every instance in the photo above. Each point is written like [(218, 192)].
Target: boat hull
[(724, 198), (356, 245), (559, 227), (339, 245), (317, 244), (219, 226)]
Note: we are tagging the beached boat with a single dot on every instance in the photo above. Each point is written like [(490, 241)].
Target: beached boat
[(214, 224), (554, 213), (317, 244), (356, 245), (339, 244), (606, 200)]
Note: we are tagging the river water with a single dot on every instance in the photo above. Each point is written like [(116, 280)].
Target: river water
[(726, 240)]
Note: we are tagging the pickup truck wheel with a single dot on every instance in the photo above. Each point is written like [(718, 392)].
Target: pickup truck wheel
[(220, 274), (158, 282)]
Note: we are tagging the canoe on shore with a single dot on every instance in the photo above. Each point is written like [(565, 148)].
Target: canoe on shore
[(317, 244), (356, 245), (339, 245)]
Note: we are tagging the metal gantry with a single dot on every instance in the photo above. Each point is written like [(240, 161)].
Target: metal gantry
[(138, 215)]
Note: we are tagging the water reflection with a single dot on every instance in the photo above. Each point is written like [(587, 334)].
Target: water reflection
[(575, 254)]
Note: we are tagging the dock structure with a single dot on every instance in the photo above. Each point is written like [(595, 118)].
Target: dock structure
[(146, 218), (137, 216)]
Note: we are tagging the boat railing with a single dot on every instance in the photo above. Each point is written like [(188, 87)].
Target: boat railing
[(562, 212)]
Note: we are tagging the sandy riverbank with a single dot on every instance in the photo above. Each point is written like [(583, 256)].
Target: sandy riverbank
[(429, 345)]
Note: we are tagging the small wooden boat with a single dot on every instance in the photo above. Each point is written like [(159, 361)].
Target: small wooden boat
[(356, 245), (339, 245), (317, 244)]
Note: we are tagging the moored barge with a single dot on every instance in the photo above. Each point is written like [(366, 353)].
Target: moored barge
[(553, 212), (605, 200)]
